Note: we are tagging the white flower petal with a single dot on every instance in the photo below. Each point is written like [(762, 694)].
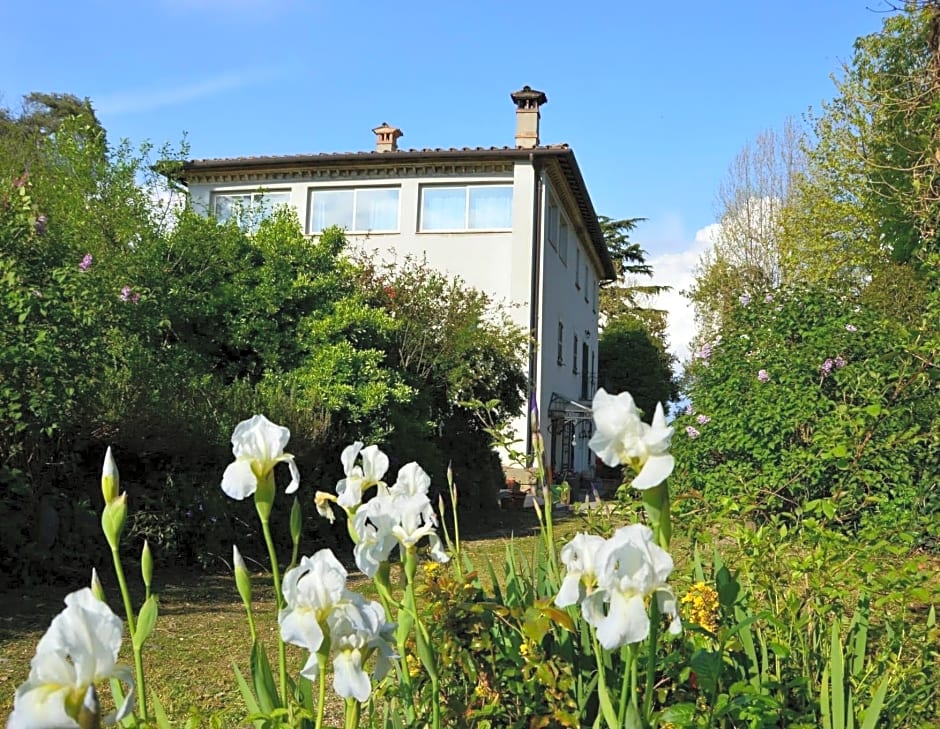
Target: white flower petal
[(238, 480), (300, 627), (349, 680), (656, 470), (570, 592), (294, 473), (626, 621)]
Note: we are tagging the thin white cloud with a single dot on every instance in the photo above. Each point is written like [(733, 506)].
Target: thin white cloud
[(144, 100), (676, 270)]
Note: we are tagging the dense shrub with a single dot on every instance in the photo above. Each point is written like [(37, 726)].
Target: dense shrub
[(814, 402)]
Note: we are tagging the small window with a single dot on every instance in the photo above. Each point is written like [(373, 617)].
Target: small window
[(563, 241), (586, 283), (561, 343), (577, 267), (358, 210), (551, 223), (468, 207), (574, 355), (248, 209)]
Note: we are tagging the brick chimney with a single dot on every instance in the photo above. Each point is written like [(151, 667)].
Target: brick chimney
[(528, 101), (386, 138)]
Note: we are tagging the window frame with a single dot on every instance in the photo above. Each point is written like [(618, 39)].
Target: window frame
[(355, 190), (467, 187), (561, 343), (254, 195)]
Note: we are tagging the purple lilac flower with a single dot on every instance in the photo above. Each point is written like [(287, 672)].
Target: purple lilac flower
[(851, 328), (703, 419), (692, 432), (840, 362), (745, 299), (135, 298), (769, 298), (87, 260), (126, 293), (688, 409), (763, 375), (705, 352), (827, 367)]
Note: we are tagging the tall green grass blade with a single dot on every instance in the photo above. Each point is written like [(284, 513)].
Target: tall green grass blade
[(873, 712), (163, 721), (837, 674), (247, 696), (824, 708)]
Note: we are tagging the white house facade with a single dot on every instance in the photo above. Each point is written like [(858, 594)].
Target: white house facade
[(515, 222)]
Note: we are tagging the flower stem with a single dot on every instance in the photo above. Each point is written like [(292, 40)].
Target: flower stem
[(353, 708), (321, 688), (279, 601), (651, 661), (132, 629)]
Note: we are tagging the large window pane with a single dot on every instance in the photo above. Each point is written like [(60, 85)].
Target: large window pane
[(248, 209), (377, 210), (490, 208), (444, 208), (331, 207)]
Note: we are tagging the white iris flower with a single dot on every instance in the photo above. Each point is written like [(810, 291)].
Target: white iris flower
[(79, 650), (258, 445), (621, 437)]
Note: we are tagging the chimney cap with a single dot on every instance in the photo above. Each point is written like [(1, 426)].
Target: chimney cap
[(527, 98), (386, 137)]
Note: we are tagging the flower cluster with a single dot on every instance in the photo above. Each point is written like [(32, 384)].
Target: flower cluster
[(79, 649), (830, 364), (611, 580), (701, 606), (705, 352), (763, 375), (321, 614), (622, 438), (745, 299), (398, 515), (692, 431), (86, 262), (128, 294)]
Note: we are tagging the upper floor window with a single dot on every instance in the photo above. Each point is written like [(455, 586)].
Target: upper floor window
[(586, 282), (551, 223), (466, 207), (561, 343), (563, 240), (248, 209), (577, 268), (357, 210), (574, 355)]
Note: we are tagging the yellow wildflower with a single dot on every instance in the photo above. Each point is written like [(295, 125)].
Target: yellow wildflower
[(701, 606)]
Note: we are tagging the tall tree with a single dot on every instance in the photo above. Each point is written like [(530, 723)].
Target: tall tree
[(745, 254)]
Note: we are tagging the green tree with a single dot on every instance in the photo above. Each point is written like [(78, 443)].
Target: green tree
[(631, 359), (625, 294)]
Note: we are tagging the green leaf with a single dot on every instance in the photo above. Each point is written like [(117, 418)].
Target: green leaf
[(607, 708), (247, 696), (263, 679), (872, 713), (681, 714)]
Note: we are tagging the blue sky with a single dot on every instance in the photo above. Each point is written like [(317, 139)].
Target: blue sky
[(656, 98)]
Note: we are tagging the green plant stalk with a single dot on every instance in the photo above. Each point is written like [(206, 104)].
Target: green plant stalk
[(132, 629), (353, 709), (651, 663), (279, 601), (321, 687), (410, 606), (628, 656)]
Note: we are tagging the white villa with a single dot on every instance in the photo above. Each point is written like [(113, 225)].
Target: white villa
[(516, 222)]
